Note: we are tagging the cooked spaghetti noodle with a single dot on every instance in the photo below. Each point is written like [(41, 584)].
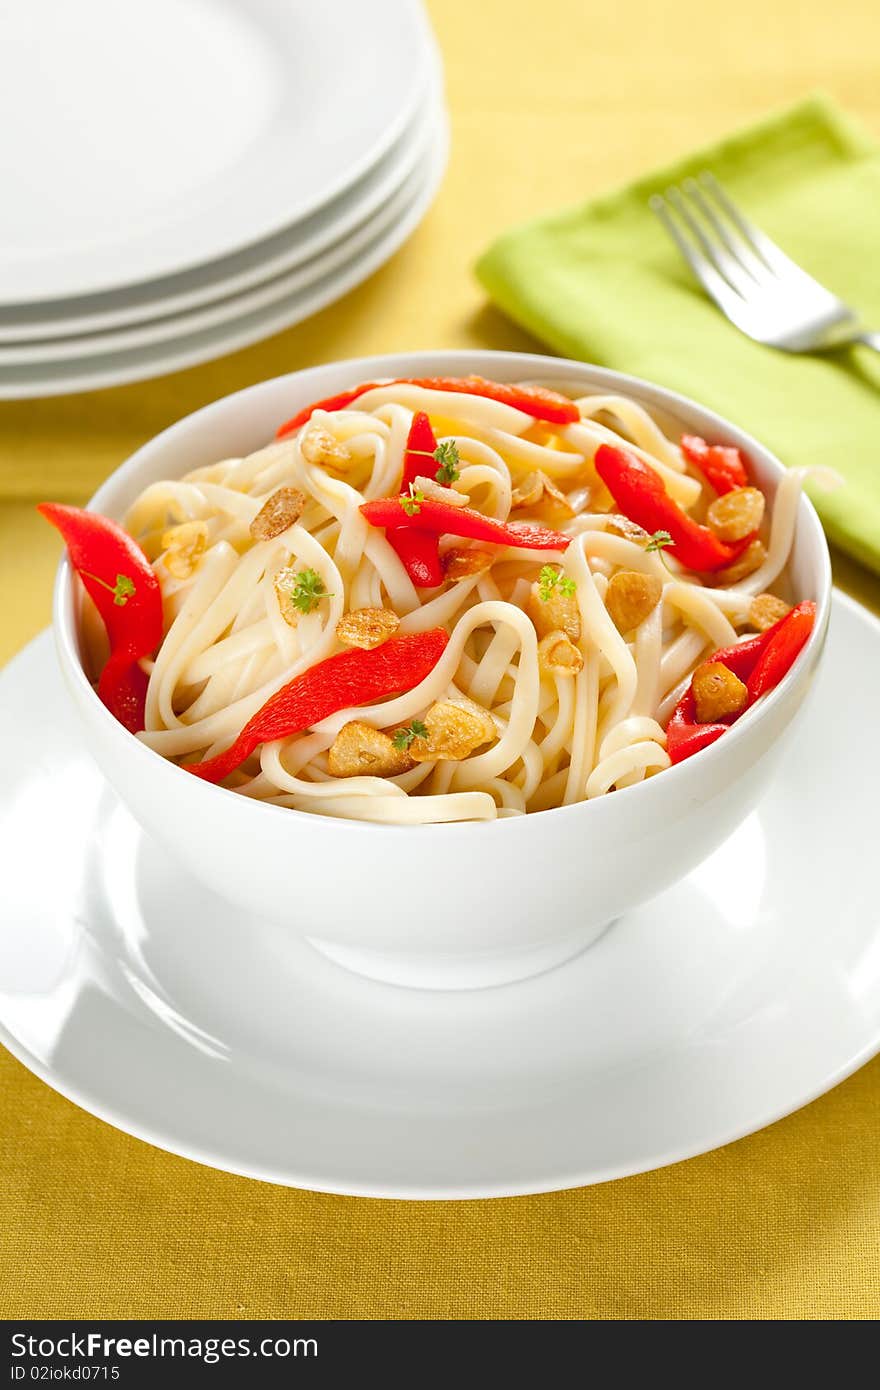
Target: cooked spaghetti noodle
[(573, 700)]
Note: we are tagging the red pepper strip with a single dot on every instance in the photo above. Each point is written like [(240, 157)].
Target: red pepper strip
[(760, 661), (536, 401), (123, 689), (743, 657), (722, 465), (445, 520), (787, 639), (339, 402), (684, 735), (420, 445), (352, 677), (639, 492), (418, 551), (103, 554)]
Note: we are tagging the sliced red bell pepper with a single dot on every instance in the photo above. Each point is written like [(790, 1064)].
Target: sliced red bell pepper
[(446, 520), (787, 638), (537, 401), (760, 661), (120, 580), (353, 677), (640, 494), (722, 465), (338, 402), (684, 736), (743, 657), (414, 527), (419, 553), (418, 460), (123, 688)]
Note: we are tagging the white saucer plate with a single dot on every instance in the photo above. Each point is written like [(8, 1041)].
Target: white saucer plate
[(218, 279), (151, 137), (233, 324), (734, 998)]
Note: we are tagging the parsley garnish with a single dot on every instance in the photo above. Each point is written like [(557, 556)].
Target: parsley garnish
[(122, 590), (402, 738), (552, 581), (306, 590), (659, 540), (446, 455), (411, 501)]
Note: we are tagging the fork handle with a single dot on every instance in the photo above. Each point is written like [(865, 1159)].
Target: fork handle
[(871, 340)]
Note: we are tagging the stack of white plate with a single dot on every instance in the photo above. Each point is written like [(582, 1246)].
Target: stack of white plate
[(183, 177)]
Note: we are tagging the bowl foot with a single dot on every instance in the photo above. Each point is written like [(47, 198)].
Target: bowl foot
[(459, 972)]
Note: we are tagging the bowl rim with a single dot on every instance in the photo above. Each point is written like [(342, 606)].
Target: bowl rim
[(452, 361)]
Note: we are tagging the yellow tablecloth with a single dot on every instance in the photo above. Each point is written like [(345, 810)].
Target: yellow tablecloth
[(550, 103)]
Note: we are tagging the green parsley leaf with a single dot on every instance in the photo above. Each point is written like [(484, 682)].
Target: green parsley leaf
[(411, 500), (658, 540), (446, 454), (402, 738), (552, 581), (306, 590), (122, 590)]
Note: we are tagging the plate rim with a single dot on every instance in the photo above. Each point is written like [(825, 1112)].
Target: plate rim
[(564, 1181)]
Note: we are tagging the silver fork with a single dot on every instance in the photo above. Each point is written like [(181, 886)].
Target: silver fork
[(760, 289)]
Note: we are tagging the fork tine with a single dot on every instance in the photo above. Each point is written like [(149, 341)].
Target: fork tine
[(725, 264), (713, 283), (760, 244), (737, 246), (780, 305)]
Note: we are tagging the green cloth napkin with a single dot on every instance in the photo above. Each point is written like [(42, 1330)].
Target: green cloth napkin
[(603, 283)]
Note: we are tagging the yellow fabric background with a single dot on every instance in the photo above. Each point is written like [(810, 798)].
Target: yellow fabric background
[(550, 103)]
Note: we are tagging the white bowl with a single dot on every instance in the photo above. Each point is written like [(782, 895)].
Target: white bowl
[(445, 906)]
